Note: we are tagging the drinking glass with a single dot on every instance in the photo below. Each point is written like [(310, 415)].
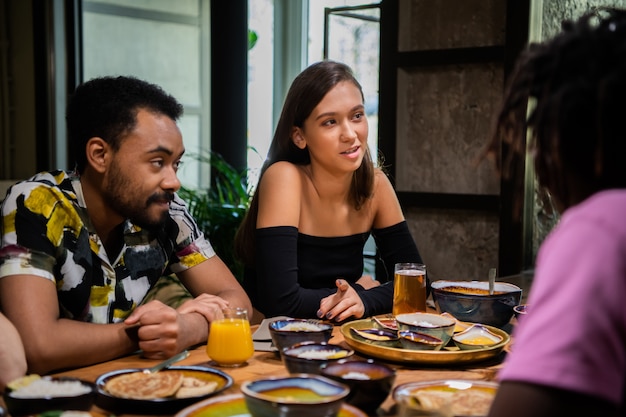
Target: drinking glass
[(230, 340), (409, 289)]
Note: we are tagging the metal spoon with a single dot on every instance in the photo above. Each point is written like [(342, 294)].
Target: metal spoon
[(492, 280), (166, 363)]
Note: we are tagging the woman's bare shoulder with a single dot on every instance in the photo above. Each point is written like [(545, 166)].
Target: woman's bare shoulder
[(282, 170)]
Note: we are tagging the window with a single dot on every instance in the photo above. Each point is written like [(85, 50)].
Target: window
[(280, 54), (170, 47)]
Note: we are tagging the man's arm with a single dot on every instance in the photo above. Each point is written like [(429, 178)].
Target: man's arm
[(50, 342), (163, 331), (214, 287), (12, 357)]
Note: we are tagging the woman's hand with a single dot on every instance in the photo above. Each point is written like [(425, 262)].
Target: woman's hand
[(342, 305), (210, 306)]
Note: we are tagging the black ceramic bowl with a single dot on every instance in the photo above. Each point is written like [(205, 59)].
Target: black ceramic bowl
[(470, 301), (370, 382), (301, 395), (311, 357), (289, 332), (20, 402)]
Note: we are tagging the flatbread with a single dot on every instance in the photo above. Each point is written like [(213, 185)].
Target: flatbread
[(145, 386), (194, 387)]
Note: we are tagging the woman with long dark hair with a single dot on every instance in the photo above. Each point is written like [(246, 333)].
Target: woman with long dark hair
[(318, 199)]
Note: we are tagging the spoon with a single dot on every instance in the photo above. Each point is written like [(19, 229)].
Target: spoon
[(166, 363), (492, 280)]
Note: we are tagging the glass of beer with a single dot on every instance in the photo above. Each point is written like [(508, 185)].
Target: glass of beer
[(230, 340), (409, 288)]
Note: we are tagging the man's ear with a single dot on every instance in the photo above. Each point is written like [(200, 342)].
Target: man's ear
[(98, 154), (298, 138)]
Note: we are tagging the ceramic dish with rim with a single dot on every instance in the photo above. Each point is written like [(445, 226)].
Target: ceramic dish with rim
[(456, 397), (289, 332), (434, 325), (476, 337), (299, 395), (419, 341), (386, 321), (470, 301), (234, 405), (47, 394), (311, 357), (520, 310), (370, 382), (449, 355), (381, 337), (167, 405)]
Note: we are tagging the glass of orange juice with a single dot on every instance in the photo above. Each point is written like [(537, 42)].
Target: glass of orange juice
[(230, 339)]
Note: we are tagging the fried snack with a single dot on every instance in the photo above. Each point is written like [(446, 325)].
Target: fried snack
[(145, 386), (194, 387)]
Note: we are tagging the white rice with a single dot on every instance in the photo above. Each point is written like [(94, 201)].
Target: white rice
[(322, 354), (425, 324), (45, 387), (301, 327), (355, 375)]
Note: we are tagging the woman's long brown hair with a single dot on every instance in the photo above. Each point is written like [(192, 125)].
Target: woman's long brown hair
[(305, 93)]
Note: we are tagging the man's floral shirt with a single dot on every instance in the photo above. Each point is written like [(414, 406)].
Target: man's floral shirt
[(46, 232)]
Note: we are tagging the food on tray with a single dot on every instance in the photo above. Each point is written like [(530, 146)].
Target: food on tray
[(149, 386)]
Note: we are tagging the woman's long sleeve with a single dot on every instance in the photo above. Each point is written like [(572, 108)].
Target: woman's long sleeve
[(277, 289), (395, 244)]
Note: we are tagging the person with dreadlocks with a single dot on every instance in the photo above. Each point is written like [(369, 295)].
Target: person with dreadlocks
[(569, 353)]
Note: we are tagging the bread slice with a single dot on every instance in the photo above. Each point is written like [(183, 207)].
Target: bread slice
[(194, 387)]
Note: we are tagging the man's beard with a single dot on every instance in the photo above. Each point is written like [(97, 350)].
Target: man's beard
[(118, 196)]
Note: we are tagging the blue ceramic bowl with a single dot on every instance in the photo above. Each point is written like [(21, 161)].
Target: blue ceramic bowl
[(430, 324), (520, 310), (288, 332), (370, 382), (301, 395), (311, 357), (470, 301)]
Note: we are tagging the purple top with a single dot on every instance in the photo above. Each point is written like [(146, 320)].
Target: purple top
[(574, 335)]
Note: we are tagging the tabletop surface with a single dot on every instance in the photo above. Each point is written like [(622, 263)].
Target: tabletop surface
[(264, 364)]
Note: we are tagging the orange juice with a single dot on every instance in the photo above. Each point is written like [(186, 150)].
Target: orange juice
[(230, 341), (409, 290)]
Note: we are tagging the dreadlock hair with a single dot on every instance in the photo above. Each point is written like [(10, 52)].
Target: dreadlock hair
[(570, 94), (305, 93)]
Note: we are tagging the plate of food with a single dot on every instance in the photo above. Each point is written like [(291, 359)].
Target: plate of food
[(234, 405), (34, 394), (133, 391), (449, 355), (456, 397)]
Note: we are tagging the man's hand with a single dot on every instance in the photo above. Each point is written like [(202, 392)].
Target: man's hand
[(163, 332), (342, 305)]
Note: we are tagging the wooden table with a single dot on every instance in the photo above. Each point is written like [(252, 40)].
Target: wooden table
[(264, 364)]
